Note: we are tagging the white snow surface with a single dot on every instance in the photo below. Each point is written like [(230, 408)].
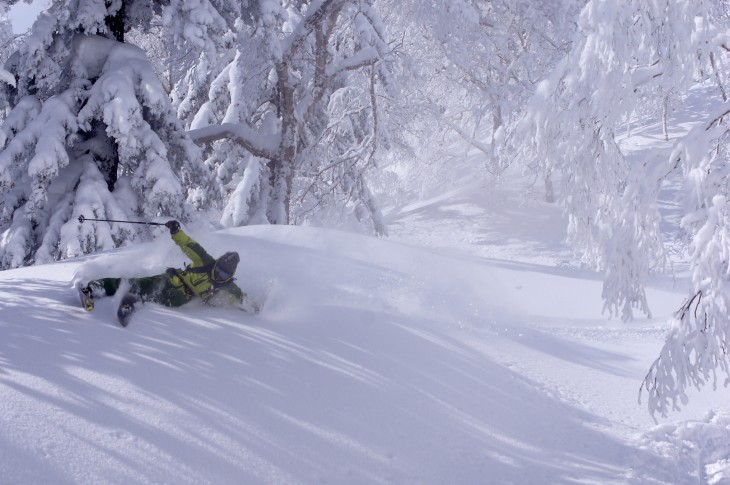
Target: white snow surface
[(372, 361), (466, 348)]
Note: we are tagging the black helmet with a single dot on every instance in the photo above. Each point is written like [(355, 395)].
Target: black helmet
[(225, 267)]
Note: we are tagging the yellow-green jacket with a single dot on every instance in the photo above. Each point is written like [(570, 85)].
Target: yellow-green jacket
[(184, 284)]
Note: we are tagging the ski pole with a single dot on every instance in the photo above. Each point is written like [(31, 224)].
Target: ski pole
[(82, 219)]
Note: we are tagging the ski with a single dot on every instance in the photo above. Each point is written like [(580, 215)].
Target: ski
[(126, 309), (87, 298)]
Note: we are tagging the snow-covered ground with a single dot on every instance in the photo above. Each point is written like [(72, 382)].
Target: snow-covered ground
[(465, 348), (373, 361)]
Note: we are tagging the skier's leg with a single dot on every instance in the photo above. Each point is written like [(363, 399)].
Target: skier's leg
[(104, 286), (173, 297), (148, 288), (97, 288)]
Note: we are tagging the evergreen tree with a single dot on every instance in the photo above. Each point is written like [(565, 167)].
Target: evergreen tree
[(91, 132)]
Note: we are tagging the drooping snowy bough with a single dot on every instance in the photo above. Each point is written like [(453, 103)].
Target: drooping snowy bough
[(699, 339), (635, 57)]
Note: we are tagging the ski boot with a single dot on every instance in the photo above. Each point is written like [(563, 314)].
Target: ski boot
[(126, 309), (86, 295)]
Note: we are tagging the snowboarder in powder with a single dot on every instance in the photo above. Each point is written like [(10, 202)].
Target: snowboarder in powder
[(207, 278)]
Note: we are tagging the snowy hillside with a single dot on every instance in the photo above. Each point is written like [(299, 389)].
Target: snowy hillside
[(372, 361), (466, 344)]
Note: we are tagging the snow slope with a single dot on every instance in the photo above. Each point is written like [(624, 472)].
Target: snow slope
[(466, 348), (373, 361)]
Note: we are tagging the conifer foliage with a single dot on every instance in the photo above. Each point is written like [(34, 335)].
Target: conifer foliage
[(91, 132)]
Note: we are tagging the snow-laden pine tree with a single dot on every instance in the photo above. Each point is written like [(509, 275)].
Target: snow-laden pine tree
[(294, 120), (91, 133), (630, 56), (200, 40)]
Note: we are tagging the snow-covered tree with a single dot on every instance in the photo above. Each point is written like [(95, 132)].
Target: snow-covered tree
[(465, 69), (696, 348), (91, 132), (6, 44), (200, 39), (628, 56), (295, 116)]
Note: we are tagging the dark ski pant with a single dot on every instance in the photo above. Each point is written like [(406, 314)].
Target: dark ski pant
[(150, 288)]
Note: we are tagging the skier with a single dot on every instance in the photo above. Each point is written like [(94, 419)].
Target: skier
[(205, 278)]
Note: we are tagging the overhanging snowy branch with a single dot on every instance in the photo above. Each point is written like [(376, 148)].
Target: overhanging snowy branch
[(364, 57), (255, 143)]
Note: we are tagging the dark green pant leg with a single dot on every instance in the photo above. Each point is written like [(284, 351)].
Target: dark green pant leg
[(149, 288), (173, 297), (109, 285)]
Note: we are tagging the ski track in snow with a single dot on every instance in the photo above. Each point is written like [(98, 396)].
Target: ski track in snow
[(466, 348)]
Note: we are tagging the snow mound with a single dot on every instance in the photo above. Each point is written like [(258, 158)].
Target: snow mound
[(691, 452)]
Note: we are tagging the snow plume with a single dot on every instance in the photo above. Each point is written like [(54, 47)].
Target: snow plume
[(101, 143), (147, 259)]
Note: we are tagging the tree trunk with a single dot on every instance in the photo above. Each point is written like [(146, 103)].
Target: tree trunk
[(281, 167), (115, 23), (549, 190)]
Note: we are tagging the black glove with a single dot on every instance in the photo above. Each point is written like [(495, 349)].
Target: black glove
[(173, 226), (171, 271)]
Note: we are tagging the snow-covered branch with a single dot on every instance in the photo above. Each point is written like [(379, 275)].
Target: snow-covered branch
[(254, 142), (7, 77), (569, 129)]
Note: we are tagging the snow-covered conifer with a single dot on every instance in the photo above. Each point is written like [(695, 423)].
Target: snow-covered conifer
[(91, 133), (7, 42)]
